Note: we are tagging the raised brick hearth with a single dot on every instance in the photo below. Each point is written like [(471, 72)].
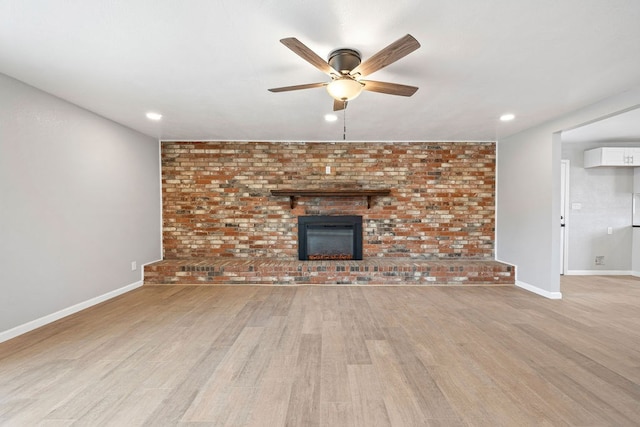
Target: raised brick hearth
[(376, 271), (427, 208)]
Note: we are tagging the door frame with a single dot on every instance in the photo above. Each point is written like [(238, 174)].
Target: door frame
[(565, 169)]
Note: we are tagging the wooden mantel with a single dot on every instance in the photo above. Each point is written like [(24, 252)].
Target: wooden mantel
[(292, 193)]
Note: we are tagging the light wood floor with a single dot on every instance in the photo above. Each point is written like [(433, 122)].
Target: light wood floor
[(333, 356)]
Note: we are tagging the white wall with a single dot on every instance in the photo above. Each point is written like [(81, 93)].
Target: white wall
[(524, 206), (605, 197), (528, 195), (79, 201)]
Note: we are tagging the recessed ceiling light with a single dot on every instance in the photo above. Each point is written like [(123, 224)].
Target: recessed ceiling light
[(330, 117), (507, 117), (154, 116)]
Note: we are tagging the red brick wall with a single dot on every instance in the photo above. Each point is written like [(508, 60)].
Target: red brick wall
[(217, 202)]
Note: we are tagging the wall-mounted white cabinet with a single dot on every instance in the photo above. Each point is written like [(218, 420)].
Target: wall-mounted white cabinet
[(612, 156)]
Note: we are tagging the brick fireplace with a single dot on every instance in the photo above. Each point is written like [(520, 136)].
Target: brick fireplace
[(435, 200)]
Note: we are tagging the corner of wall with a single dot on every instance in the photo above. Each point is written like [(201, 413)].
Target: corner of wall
[(539, 291)]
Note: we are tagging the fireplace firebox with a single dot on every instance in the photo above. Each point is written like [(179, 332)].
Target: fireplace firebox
[(329, 237)]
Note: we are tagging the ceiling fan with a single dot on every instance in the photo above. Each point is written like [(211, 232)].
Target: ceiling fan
[(348, 72)]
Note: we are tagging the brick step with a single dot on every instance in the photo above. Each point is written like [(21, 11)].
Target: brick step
[(383, 271)]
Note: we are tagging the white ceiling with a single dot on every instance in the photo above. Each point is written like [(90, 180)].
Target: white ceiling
[(206, 65), (621, 127)]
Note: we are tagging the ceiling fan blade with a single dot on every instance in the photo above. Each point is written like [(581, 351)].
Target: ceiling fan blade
[(389, 88), (339, 105), (390, 54), (297, 87), (308, 55)]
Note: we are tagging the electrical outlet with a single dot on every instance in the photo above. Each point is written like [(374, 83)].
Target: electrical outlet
[(134, 266), (609, 230), (600, 260)]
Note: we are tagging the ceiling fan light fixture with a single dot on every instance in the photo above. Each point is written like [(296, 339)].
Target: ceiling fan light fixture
[(344, 89)]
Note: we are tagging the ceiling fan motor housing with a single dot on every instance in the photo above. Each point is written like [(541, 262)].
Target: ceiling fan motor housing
[(344, 60)]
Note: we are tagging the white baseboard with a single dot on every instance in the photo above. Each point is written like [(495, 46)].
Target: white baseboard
[(600, 273), (635, 273), (539, 291), (531, 288), (50, 318)]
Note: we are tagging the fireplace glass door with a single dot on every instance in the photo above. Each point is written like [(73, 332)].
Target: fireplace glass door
[(330, 238)]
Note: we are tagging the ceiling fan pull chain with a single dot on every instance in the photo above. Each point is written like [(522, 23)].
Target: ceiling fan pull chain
[(344, 122)]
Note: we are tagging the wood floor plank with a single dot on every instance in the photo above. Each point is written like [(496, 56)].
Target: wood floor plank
[(517, 376), (628, 389), (336, 414), (176, 404), (356, 349), (400, 400), (430, 399), (366, 318), (271, 404), (304, 401), (334, 379), (590, 400), (213, 402), (367, 397), (333, 356)]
